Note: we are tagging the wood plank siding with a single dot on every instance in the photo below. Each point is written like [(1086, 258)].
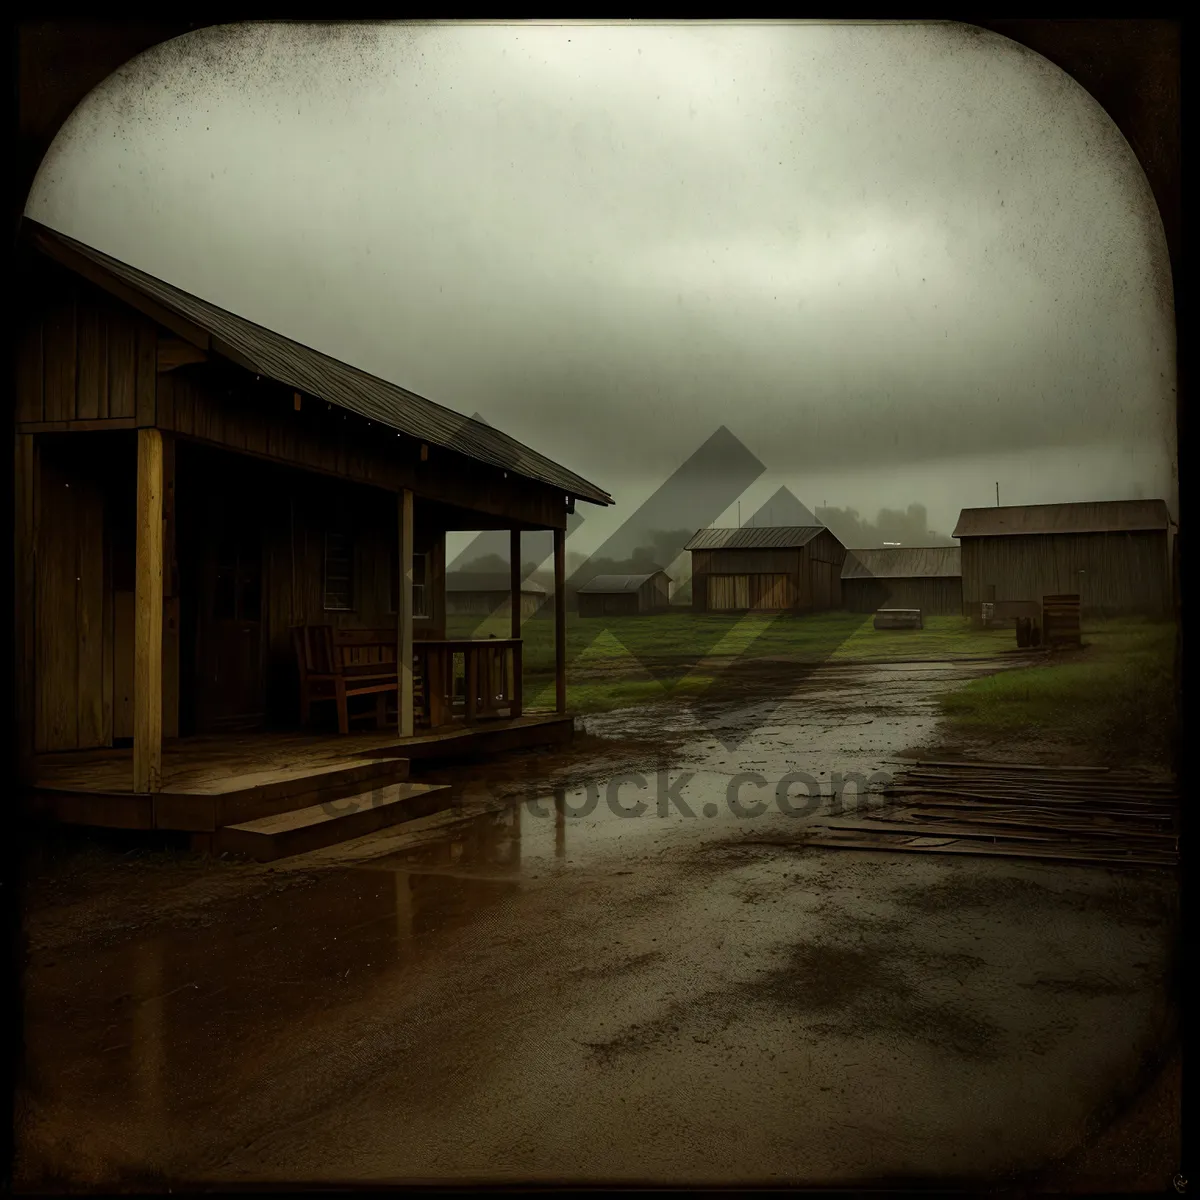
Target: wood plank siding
[(934, 597), (82, 357), (769, 579), (1123, 572)]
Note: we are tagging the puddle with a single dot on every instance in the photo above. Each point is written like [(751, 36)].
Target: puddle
[(398, 1007)]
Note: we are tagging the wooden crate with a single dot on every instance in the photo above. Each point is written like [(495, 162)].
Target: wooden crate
[(1060, 620)]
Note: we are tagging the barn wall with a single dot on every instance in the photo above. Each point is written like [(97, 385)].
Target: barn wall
[(654, 595), (81, 356), (295, 523), (77, 611), (813, 577), (608, 604), (940, 596), (745, 562), (1122, 572)]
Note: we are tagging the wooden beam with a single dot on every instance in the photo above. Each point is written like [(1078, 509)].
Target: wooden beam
[(170, 673), (98, 426), (514, 570), (560, 620), (148, 616), (514, 579), (175, 352), (404, 641)]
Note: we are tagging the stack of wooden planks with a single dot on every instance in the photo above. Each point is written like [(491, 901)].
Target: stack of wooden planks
[(1060, 620), (1092, 815)]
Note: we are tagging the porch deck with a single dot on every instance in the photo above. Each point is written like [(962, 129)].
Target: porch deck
[(214, 780)]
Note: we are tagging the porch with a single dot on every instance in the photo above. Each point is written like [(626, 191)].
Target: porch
[(213, 781), (204, 622)]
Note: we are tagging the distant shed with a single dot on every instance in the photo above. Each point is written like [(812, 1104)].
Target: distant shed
[(625, 595), (766, 569), (485, 593), (1116, 554), (928, 578)]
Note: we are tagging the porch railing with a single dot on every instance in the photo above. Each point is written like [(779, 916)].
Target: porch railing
[(469, 679)]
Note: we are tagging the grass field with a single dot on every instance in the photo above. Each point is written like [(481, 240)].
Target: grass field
[(1114, 698), (618, 661)]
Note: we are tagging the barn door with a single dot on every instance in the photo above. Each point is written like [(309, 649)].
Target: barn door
[(774, 592)]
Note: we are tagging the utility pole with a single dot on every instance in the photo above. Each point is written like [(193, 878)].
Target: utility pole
[(997, 493), (739, 514)]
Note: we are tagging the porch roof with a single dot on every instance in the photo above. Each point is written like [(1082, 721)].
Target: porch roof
[(309, 371)]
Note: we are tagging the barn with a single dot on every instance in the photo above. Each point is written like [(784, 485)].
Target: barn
[(225, 539), (925, 577), (625, 595), (1116, 554), (766, 569), (487, 594)]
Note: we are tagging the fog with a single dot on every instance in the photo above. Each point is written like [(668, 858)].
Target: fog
[(899, 263)]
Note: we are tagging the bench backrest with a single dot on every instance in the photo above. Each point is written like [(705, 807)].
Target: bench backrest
[(324, 650)]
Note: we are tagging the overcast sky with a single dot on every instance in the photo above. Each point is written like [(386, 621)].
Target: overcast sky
[(898, 262)]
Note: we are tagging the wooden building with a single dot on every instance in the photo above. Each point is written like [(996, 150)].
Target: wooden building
[(625, 595), (927, 578), (191, 489), (766, 569), (1116, 555), (487, 594)]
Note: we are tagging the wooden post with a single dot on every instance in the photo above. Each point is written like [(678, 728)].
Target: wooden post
[(148, 615), (514, 560), (514, 579), (560, 620), (404, 640), (170, 720)]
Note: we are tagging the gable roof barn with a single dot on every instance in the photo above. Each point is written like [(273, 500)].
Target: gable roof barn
[(265, 352), (618, 583), (1093, 516), (903, 562), (775, 537)]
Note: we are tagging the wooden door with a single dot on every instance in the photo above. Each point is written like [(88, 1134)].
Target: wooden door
[(230, 668), (72, 680), (773, 592)]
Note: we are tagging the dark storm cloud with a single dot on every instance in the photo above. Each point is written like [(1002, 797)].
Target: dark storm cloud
[(897, 253)]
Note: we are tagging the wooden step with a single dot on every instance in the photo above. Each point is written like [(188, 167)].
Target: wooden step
[(331, 821), (241, 798)]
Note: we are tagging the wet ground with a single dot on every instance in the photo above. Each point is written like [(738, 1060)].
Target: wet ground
[(543, 985)]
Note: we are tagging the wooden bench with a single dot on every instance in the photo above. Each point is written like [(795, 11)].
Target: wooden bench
[(336, 664)]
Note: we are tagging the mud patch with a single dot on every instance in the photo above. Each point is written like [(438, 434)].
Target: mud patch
[(1144, 900), (1088, 984), (872, 995)]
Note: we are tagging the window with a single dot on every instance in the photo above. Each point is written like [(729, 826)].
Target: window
[(339, 572), (420, 570)]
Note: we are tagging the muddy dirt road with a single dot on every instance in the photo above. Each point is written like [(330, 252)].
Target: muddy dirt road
[(525, 989)]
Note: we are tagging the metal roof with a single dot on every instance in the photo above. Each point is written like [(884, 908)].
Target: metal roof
[(1093, 516), (316, 374), (488, 581), (755, 537), (618, 583), (903, 562)]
